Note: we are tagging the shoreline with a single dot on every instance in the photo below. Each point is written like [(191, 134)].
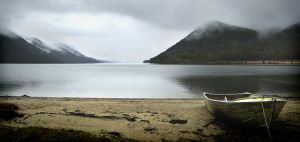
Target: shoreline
[(91, 98), (171, 119), (258, 62), (87, 98)]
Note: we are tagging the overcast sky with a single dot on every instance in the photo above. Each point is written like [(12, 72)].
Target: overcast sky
[(135, 30)]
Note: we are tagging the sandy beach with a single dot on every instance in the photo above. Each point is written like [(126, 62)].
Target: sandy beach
[(144, 119)]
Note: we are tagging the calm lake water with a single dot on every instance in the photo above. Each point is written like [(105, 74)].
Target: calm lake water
[(146, 80)]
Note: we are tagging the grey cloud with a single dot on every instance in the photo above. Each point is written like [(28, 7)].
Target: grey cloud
[(175, 14)]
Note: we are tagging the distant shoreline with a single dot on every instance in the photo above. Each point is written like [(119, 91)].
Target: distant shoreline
[(258, 62), (294, 62)]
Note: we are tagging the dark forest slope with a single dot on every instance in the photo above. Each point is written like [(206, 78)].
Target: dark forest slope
[(222, 42)]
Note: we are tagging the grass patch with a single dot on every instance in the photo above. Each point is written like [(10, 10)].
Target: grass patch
[(9, 111), (38, 134)]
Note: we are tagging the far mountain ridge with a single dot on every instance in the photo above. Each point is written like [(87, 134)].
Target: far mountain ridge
[(16, 49), (224, 42), (213, 28)]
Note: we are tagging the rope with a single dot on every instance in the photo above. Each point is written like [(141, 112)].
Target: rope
[(273, 111), (267, 126)]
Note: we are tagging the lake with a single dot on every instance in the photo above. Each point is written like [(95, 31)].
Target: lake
[(146, 80)]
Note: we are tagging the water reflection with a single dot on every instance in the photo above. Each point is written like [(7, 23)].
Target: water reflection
[(283, 85)]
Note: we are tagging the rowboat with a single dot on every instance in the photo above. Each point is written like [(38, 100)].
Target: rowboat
[(245, 107)]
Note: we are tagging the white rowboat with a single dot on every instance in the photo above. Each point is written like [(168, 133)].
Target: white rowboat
[(245, 107)]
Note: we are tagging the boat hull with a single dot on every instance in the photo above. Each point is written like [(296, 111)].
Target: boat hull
[(252, 113)]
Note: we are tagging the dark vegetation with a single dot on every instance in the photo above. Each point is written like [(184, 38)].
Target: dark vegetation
[(15, 49), (37, 134), (221, 42), (178, 121), (81, 114), (9, 111), (150, 129)]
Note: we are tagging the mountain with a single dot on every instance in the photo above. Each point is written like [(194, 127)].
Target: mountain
[(15, 49), (219, 42)]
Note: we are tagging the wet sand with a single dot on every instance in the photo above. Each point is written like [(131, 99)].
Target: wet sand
[(144, 119)]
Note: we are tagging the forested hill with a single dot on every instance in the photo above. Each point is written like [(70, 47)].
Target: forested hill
[(220, 42), (16, 49)]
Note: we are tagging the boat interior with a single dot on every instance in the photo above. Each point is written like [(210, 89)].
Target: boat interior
[(226, 97)]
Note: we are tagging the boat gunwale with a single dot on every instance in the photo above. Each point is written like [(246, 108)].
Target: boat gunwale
[(281, 99)]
